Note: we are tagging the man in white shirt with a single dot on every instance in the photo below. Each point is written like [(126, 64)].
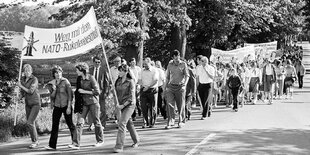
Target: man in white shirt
[(149, 91), (205, 76), (136, 71)]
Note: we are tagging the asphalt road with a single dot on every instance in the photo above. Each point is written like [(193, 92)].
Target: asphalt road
[(280, 128)]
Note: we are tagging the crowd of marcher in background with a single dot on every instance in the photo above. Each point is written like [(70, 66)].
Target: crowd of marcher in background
[(152, 91)]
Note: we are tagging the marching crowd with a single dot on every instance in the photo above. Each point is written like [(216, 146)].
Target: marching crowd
[(153, 90)]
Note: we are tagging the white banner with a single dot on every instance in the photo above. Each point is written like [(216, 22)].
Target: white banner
[(264, 50), (68, 41), (238, 55)]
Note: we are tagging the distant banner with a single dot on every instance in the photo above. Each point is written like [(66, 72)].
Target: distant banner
[(68, 41), (264, 50), (238, 55)]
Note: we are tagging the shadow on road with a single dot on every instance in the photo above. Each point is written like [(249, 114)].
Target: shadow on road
[(260, 141)]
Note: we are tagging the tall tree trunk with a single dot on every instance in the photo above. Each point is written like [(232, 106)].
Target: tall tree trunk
[(179, 35), (183, 40), (176, 39), (141, 15)]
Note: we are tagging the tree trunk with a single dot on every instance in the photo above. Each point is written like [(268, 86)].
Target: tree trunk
[(183, 40), (179, 36), (141, 15)]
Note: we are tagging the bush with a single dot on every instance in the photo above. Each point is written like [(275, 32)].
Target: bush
[(43, 122)]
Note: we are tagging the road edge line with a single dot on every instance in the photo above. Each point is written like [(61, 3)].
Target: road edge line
[(204, 141)]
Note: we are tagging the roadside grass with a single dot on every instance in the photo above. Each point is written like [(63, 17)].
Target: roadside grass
[(43, 122)]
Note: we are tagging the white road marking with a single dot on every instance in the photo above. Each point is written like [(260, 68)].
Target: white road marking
[(204, 141)]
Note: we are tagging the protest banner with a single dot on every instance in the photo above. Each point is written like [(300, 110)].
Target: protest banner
[(68, 41), (237, 55), (264, 50)]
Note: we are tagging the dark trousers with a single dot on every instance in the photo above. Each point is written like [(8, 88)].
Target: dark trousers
[(300, 80), (205, 93), (149, 104), (234, 92), (161, 102), (138, 105), (57, 112)]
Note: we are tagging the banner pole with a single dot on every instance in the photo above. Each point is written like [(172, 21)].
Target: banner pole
[(109, 72), (18, 91)]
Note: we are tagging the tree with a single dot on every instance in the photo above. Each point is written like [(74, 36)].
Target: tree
[(9, 58)]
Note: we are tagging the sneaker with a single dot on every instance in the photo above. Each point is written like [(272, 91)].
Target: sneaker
[(168, 127), (99, 144), (135, 145), (49, 148), (74, 147), (115, 150), (34, 145), (181, 125), (203, 118)]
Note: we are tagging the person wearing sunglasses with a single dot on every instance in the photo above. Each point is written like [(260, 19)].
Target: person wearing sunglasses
[(99, 74)]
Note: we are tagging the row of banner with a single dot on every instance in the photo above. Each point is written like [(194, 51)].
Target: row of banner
[(84, 35), (248, 52)]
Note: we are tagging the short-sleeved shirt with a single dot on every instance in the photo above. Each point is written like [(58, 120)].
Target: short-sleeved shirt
[(201, 73), (63, 93), (149, 76), (90, 84), (136, 70), (176, 72), (162, 76), (32, 96)]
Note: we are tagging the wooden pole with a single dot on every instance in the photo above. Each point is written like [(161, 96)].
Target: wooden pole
[(110, 75), (18, 91)]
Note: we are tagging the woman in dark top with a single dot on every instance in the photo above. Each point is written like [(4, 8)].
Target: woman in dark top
[(61, 95), (90, 94), (29, 87), (125, 89)]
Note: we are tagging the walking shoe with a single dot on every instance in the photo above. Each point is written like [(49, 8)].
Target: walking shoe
[(115, 150), (181, 125), (99, 144), (236, 110), (270, 102), (151, 126), (34, 145), (203, 118), (74, 147), (135, 145), (49, 148), (168, 127)]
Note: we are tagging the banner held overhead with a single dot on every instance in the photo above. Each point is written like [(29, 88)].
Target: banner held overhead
[(68, 41)]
